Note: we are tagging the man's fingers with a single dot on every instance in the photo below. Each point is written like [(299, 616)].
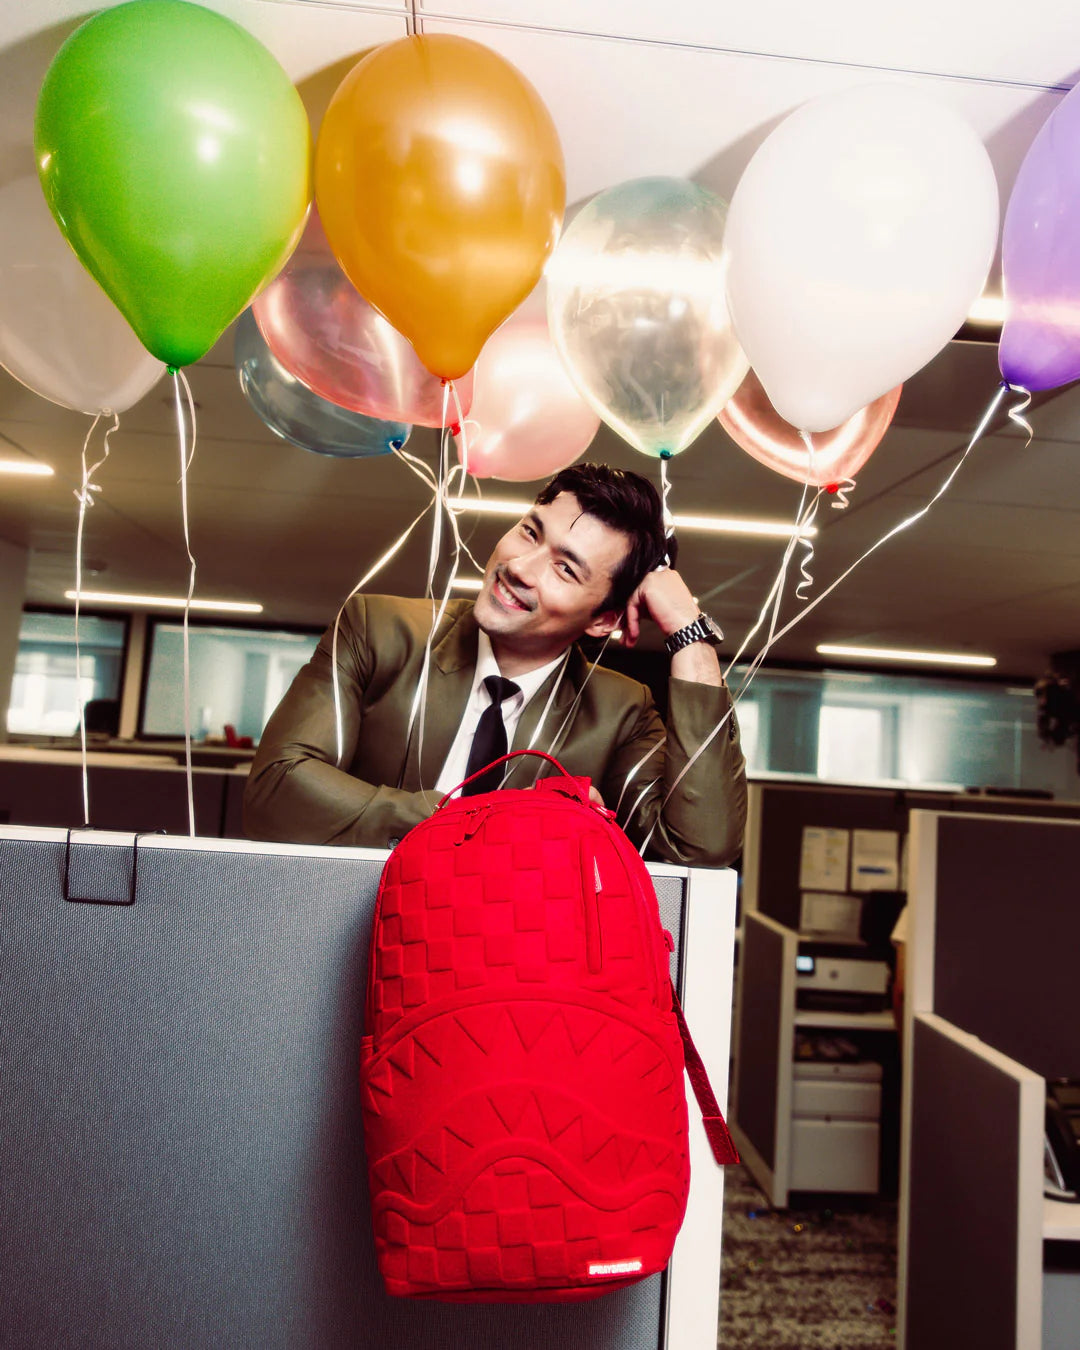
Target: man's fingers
[(595, 797)]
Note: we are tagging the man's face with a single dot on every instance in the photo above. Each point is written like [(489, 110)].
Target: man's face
[(546, 579)]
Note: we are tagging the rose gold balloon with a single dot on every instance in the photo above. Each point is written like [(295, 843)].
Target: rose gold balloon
[(756, 427), (331, 339), (528, 421)]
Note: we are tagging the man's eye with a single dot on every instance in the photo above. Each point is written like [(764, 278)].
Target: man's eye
[(568, 571), (528, 530)]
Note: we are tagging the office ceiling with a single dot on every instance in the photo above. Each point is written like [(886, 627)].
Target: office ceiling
[(635, 88)]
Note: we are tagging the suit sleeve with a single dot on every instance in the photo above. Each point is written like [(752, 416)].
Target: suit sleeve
[(701, 823), (295, 792)]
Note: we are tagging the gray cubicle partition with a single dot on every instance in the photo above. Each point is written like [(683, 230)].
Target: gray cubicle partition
[(965, 1206), (1006, 900), (990, 1013), (181, 1118)]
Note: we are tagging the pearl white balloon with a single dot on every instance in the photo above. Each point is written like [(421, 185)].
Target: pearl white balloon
[(60, 334), (859, 235)]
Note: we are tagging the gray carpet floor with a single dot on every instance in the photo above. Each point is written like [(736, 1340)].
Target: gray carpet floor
[(806, 1279)]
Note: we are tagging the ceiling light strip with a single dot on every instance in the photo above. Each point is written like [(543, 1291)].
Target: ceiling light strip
[(904, 654), (773, 529), (29, 468), (136, 601)]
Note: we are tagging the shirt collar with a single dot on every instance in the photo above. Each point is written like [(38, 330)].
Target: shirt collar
[(528, 684)]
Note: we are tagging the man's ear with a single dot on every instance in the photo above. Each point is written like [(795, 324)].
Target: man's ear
[(604, 623)]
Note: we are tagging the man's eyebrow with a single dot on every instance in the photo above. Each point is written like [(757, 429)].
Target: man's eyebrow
[(577, 560)]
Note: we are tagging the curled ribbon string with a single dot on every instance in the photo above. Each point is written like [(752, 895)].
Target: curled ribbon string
[(802, 588), (186, 458), (1016, 412), (665, 509), (904, 524), (84, 496), (841, 490)]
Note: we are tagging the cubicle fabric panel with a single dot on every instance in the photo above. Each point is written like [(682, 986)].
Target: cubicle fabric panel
[(963, 1202), (759, 1036), (1007, 937), (181, 1115)]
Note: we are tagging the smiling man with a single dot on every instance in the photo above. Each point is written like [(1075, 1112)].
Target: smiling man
[(506, 672)]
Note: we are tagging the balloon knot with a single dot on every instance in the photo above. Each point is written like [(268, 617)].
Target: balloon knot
[(172, 370), (832, 487), (455, 428), (665, 454)]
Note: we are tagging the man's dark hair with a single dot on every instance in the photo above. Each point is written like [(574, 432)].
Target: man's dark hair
[(626, 502)]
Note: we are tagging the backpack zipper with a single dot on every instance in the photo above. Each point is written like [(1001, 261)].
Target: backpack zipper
[(591, 888)]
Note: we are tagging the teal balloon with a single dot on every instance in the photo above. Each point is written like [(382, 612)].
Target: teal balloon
[(295, 413)]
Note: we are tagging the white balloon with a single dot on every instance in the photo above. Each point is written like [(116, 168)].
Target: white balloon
[(60, 334), (860, 234)]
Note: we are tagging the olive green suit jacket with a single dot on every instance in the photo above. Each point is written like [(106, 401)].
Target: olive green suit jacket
[(599, 725)]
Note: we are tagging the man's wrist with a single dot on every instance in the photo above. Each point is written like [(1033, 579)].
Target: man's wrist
[(681, 620)]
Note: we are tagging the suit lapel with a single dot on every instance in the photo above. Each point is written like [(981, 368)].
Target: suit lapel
[(453, 665)]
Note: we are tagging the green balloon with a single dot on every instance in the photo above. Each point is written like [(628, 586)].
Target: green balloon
[(175, 154)]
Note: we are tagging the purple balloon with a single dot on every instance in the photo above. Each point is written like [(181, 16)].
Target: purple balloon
[(1040, 258)]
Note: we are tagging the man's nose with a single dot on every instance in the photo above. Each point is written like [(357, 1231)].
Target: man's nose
[(522, 569)]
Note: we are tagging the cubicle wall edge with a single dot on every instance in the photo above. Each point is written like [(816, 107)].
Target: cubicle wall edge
[(982, 1120), (918, 998), (763, 1062), (694, 1293), (751, 854)]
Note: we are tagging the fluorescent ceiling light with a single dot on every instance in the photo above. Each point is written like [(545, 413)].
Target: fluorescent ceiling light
[(31, 468), (775, 529), (162, 602), (900, 654), (468, 583), (989, 309)]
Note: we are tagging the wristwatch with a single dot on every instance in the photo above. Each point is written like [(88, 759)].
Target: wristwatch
[(703, 629)]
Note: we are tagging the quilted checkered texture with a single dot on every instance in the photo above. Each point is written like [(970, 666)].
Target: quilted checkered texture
[(522, 1076)]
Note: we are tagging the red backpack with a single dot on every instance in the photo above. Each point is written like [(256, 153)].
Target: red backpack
[(522, 1072)]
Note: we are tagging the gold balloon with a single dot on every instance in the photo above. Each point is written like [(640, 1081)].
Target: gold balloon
[(440, 184)]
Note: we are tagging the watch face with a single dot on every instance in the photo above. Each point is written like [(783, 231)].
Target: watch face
[(712, 628)]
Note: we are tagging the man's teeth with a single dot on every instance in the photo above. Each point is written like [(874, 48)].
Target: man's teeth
[(510, 597)]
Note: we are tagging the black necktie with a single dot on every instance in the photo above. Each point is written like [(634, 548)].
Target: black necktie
[(489, 742)]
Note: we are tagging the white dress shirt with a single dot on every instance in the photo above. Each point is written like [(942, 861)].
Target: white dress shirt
[(453, 769)]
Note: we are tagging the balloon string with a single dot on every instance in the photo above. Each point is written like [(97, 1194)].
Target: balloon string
[(665, 509), (1016, 412), (418, 711), (802, 589), (372, 571), (462, 423), (771, 610), (842, 489), (185, 465), (84, 496), (904, 524)]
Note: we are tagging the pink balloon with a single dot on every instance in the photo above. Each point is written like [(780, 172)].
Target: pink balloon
[(322, 331), (756, 427), (528, 421)]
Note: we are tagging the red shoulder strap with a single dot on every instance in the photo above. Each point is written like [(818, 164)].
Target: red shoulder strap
[(716, 1130)]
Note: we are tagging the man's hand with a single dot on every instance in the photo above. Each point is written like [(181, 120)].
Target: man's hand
[(663, 597)]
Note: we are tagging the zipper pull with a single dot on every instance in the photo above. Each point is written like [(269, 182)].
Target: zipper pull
[(471, 821)]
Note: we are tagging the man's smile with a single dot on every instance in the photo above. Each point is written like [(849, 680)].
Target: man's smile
[(506, 597)]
